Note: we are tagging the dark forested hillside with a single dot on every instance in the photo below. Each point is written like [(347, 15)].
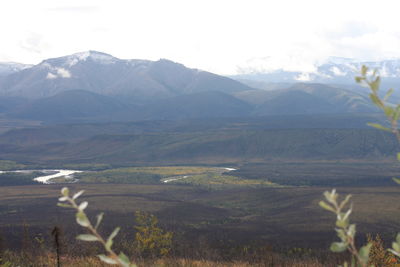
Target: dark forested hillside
[(215, 146)]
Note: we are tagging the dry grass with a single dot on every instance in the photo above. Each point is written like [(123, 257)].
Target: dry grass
[(49, 259)]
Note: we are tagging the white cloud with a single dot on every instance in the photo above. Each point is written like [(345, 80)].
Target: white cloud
[(337, 71), (51, 76), (213, 35), (303, 77), (55, 73), (63, 73)]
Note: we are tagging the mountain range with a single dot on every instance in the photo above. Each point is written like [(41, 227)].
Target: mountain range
[(94, 86), (93, 107), (334, 70)]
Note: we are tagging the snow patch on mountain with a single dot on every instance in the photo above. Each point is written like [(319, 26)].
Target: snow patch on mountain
[(337, 71), (138, 62), (11, 67), (303, 77), (332, 70), (51, 76), (97, 57), (58, 73)]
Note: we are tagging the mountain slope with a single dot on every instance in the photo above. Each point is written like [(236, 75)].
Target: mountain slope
[(104, 74), (209, 104), (7, 68), (306, 98), (294, 102), (71, 105)]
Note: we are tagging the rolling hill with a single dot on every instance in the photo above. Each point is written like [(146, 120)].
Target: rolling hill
[(306, 98)]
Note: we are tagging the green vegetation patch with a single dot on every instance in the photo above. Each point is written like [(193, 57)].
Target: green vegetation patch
[(116, 176), (211, 176), (87, 166), (138, 175), (218, 179), (7, 165)]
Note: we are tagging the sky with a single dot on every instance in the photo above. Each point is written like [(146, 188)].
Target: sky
[(221, 36)]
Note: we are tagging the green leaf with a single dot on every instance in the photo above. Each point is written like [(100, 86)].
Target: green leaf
[(351, 231), (364, 70), (342, 223), (375, 84), (87, 238), (398, 238), (99, 219), (82, 219), (326, 206), (344, 202), (380, 127), (396, 180), (338, 246), (388, 94), (359, 79), (394, 252), (106, 259), (396, 113), (331, 196), (124, 259), (109, 242), (347, 214), (341, 234), (396, 246), (389, 111), (78, 194), (62, 199), (364, 252), (375, 99), (65, 191), (83, 205)]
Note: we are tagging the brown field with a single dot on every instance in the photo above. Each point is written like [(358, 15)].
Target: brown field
[(282, 216)]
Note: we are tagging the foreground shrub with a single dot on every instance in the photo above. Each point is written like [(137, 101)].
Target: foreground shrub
[(94, 236), (346, 231), (379, 256), (151, 240)]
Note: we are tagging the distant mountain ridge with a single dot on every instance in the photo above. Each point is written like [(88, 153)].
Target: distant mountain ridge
[(104, 74), (93, 86), (334, 71), (11, 67)]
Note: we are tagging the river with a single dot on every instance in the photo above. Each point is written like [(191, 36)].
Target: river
[(51, 174), (187, 176)]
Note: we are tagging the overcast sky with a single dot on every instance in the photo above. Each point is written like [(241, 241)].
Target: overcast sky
[(215, 35)]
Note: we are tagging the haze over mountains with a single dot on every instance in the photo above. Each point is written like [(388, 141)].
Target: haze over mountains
[(94, 86), (335, 70)]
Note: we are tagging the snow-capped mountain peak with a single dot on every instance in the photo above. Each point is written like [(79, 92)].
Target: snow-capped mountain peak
[(98, 57), (71, 60), (333, 70)]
